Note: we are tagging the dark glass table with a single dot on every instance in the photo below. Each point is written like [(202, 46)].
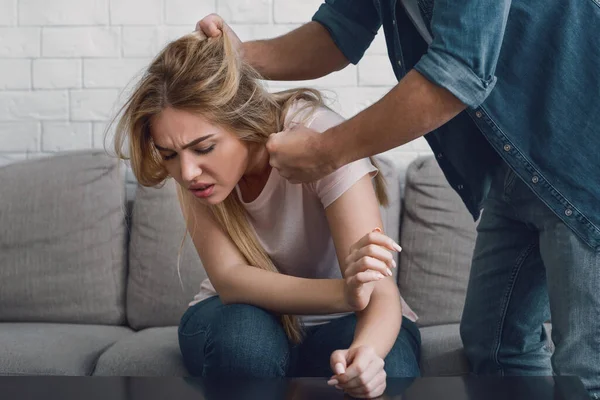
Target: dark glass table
[(151, 388)]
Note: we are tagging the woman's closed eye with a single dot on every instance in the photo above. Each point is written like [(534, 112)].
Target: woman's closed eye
[(197, 151), (205, 150)]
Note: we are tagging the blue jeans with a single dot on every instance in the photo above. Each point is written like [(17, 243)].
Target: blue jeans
[(528, 267), (240, 340)]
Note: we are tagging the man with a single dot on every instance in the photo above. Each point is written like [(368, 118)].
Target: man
[(507, 94)]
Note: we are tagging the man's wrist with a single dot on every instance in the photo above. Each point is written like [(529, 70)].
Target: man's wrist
[(331, 152)]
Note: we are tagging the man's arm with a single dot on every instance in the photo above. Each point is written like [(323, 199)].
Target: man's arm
[(307, 52), (338, 34), (414, 107), (457, 71)]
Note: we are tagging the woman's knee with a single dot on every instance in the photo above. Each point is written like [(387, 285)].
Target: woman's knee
[(403, 358), (244, 340)]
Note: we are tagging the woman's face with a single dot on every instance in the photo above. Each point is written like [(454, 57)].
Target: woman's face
[(204, 158)]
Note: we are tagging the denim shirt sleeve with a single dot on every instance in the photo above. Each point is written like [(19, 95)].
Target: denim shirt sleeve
[(352, 25), (467, 38)]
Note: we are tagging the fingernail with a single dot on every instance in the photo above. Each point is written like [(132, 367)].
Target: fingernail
[(339, 368), (397, 247), (389, 272), (377, 230), (338, 387), (380, 276), (332, 382), (394, 263)]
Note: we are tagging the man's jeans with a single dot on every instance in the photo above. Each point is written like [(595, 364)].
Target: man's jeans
[(240, 340), (528, 267)]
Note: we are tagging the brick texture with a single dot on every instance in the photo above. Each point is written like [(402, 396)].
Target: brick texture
[(65, 63)]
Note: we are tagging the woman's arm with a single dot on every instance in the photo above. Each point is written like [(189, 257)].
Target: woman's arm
[(237, 282), (354, 214)]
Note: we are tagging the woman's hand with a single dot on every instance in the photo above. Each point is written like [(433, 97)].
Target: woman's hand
[(213, 26), (358, 372), (369, 261)]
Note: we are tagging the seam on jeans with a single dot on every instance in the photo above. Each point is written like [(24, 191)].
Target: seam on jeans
[(284, 361), (207, 338), (513, 278)]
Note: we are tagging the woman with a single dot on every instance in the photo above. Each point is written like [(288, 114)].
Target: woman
[(299, 274)]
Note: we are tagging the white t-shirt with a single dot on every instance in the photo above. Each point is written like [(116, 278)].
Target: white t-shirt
[(290, 221), (412, 9)]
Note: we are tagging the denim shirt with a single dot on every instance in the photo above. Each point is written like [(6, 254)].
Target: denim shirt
[(529, 73)]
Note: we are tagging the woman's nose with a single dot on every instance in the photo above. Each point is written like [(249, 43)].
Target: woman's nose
[(190, 169)]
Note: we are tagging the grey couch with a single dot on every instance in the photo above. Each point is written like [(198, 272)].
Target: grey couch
[(88, 274)]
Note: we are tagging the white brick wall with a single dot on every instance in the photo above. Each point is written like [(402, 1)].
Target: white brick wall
[(64, 64), (61, 73), (63, 12), (15, 74)]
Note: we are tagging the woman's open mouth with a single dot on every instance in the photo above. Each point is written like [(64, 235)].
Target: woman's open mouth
[(203, 191)]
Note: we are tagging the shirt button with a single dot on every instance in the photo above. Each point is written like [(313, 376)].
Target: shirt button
[(507, 147), (478, 114), (460, 187), (394, 21), (535, 179), (399, 63), (568, 212), (440, 155)]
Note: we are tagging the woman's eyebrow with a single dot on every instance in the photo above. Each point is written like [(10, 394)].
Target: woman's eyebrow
[(185, 146)]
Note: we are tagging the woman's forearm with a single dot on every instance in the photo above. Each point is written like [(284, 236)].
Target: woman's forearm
[(378, 325), (281, 294)]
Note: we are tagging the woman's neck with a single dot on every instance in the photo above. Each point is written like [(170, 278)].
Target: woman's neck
[(257, 173)]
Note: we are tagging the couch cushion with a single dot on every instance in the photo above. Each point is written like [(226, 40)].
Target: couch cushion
[(392, 166), (155, 294), (62, 238), (442, 351), (54, 349), (437, 237), (150, 352)]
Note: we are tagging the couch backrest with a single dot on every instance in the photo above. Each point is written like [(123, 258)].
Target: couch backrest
[(62, 239), (437, 237), (157, 292)]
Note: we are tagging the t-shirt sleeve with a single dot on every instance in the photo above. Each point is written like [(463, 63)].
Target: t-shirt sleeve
[(332, 186)]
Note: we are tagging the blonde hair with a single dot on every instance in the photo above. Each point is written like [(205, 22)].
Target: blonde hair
[(206, 76)]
